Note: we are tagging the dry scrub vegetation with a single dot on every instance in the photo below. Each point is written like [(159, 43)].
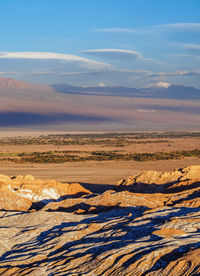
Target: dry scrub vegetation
[(101, 147)]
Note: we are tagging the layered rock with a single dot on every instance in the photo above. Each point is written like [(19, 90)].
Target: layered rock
[(21, 192), (149, 226), (165, 182)]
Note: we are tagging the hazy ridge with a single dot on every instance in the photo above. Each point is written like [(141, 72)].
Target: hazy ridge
[(59, 107)]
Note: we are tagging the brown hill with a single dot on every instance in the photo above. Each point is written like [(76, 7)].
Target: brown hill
[(149, 226), (9, 83)]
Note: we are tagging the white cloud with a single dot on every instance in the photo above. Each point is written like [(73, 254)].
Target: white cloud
[(102, 84), (115, 54), (159, 85), (83, 62)]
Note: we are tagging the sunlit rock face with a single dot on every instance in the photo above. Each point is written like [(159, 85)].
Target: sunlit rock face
[(22, 193), (166, 182), (148, 225)]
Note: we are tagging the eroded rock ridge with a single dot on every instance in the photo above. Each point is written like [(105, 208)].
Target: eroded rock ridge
[(148, 225)]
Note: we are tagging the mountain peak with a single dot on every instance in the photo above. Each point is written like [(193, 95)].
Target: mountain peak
[(9, 83)]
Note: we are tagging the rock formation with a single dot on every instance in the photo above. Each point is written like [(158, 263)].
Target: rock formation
[(165, 182), (148, 225), (21, 192)]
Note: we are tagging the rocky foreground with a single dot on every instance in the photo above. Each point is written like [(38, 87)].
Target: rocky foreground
[(148, 225)]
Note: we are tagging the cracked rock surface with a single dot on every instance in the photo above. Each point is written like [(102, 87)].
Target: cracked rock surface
[(148, 225)]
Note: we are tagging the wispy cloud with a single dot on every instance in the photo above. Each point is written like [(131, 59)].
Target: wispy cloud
[(193, 49), (8, 73), (115, 30), (181, 27), (142, 30), (83, 62), (180, 73), (137, 71), (186, 27), (43, 73), (144, 74), (115, 54), (81, 73)]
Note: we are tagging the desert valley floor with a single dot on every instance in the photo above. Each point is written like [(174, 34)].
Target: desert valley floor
[(106, 171), (97, 176)]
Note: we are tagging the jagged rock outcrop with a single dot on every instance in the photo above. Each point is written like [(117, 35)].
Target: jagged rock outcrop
[(21, 192), (165, 182), (123, 232)]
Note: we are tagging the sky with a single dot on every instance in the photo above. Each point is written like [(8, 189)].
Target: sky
[(134, 43)]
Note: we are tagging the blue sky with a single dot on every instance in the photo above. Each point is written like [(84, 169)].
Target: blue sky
[(132, 43)]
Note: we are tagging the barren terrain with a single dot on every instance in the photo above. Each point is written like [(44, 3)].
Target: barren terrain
[(148, 224), (122, 204), (103, 172)]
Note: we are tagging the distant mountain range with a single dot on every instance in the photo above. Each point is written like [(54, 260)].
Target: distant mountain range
[(61, 106), (10, 83), (171, 92)]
